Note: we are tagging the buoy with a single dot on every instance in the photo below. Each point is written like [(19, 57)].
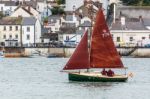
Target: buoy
[(130, 74)]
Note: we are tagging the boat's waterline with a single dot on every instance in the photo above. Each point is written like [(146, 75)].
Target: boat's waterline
[(96, 77)]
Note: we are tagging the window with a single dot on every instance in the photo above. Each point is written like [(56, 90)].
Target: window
[(1, 8), (10, 28), (56, 29), (4, 28), (143, 38), (67, 38), (28, 29), (28, 37), (10, 36), (118, 39), (42, 41), (131, 38), (4, 36), (46, 13), (16, 28), (16, 36), (10, 8)]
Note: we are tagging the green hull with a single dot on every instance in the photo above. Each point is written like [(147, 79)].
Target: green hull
[(86, 78)]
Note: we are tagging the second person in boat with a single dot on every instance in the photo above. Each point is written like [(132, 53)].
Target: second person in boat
[(110, 73)]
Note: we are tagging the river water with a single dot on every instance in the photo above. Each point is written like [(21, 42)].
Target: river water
[(39, 78)]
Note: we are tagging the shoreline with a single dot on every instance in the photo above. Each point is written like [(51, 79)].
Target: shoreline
[(138, 52)]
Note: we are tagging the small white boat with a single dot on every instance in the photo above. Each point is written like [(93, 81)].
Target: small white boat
[(1, 54)]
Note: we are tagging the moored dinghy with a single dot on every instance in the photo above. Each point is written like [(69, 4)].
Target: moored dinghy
[(102, 54)]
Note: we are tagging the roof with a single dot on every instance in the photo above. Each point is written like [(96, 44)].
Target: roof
[(44, 30), (70, 17), (9, 3), (30, 3), (27, 11), (80, 31), (28, 21), (54, 18), (11, 21), (85, 24), (129, 10), (129, 25)]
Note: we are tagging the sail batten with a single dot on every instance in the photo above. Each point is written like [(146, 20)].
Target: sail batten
[(80, 57), (103, 53)]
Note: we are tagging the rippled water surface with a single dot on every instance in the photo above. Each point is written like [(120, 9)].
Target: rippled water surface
[(40, 78)]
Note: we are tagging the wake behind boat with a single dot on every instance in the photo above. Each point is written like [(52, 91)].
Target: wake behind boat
[(101, 54)]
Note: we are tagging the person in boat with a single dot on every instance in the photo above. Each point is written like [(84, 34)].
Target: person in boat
[(104, 72), (110, 73)]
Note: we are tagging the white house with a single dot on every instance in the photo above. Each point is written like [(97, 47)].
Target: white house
[(71, 39), (130, 32), (31, 31), (71, 19), (44, 9), (71, 5), (54, 23), (7, 7)]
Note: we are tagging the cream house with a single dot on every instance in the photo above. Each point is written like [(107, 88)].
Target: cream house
[(10, 31), (20, 31), (26, 11)]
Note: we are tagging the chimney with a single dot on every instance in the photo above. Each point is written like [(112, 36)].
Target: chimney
[(123, 20), (140, 18)]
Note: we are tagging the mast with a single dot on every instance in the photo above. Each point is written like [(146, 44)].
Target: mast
[(90, 12)]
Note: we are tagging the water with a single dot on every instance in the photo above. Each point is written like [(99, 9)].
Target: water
[(39, 78)]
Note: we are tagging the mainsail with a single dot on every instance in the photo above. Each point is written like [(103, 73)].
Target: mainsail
[(80, 57), (103, 53)]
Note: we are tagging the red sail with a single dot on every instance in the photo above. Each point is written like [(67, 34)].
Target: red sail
[(103, 53), (80, 57)]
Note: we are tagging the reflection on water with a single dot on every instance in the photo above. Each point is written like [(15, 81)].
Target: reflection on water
[(39, 78)]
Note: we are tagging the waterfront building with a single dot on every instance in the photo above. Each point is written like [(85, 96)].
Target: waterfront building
[(31, 31), (20, 31), (48, 38), (131, 31), (71, 39), (10, 31)]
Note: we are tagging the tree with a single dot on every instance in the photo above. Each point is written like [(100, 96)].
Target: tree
[(59, 2), (1, 15), (146, 2), (136, 2), (57, 10)]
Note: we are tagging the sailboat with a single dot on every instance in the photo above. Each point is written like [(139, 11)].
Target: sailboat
[(99, 55)]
